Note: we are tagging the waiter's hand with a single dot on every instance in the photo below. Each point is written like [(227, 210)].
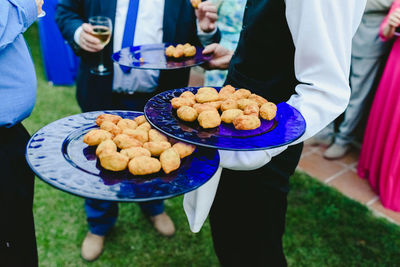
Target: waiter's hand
[(221, 57), (207, 16), (39, 4), (87, 41)]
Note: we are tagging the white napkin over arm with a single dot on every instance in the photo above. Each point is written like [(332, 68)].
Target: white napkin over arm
[(322, 33)]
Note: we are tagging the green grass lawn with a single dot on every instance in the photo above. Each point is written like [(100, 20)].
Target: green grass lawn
[(324, 228)]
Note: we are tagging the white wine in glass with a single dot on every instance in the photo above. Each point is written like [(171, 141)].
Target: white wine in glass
[(101, 29)]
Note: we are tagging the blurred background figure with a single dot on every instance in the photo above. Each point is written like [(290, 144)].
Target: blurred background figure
[(132, 22), (230, 17), (368, 54), (18, 94), (380, 154)]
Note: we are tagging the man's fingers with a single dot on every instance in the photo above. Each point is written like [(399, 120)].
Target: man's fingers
[(210, 48), (208, 8), (212, 16), (90, 39), (86, 27)]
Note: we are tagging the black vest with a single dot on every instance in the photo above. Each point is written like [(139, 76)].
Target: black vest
[(264, 58)]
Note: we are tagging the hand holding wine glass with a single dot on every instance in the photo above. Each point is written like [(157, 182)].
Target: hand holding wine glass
[(99, 28)]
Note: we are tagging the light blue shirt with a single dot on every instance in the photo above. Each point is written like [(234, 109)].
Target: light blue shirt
[(17, 73)]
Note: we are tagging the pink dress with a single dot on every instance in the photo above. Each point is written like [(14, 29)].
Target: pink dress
[(380, 154)]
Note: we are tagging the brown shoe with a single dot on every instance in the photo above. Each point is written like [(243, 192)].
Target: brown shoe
[(163, 224), (92, 246)]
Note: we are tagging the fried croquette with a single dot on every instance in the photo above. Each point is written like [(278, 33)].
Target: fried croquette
[(169, 51), (127, 124), (268, 111), (259, 99), (252, 109), (144, 165), (241, 93), (140, 119), (133, 152), (107, 117), (189, 51), (106, 146), (111, 128), (243, 103), (229, 115), (179, 51), (206, 97), (216, 104), (156, 148), (144, 126), (210, 90), (178, 102), (126, 141), (186, 113), (184, 149), (229, 104), (202, 107), (209, 119), (156, 136), (114, 161), (96, 136), (188, 94), (246, 122), (195, 3), (139, 134), (227, 89), (170, 160)]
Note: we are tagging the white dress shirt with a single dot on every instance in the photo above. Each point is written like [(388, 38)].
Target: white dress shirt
[(149, 30), (322, 33)]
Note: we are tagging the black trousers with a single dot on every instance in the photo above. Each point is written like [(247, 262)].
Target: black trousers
[(248, 214), (17, 231)]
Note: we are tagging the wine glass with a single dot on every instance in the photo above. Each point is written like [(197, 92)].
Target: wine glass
[(102, 28)]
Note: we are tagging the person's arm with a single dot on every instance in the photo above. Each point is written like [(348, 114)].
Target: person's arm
[(322, 33), (391, 22), (15, 17)]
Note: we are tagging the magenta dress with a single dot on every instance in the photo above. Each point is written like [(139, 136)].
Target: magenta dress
[(380, 154)]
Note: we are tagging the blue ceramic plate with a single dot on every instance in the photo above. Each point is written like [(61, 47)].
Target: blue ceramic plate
[(57, 154), (287, 126), (154, 58)]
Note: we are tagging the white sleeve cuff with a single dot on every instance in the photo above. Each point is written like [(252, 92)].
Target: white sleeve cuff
[(77, 34)]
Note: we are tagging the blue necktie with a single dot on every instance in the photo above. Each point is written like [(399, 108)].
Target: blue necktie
[(130, 26)]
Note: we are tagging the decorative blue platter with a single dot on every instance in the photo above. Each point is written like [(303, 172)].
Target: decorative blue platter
[(58, 156), (287, 126), (153, 56)]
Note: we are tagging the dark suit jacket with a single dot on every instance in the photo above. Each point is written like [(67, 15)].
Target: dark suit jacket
[(94, 92)]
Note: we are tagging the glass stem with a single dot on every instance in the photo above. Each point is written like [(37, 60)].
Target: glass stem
[(101, 64)]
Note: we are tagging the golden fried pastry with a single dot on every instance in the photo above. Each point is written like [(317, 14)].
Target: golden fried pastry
[(189, 51), (229, 104), (106, 146), (246, 122), (170, 160), (110, 127), (169, 51), (195, 3), (268, 111), (156, 148), (241, 93), (134, 152), (184, 149), (202, 107), (127, 124), (144, 126), (140, 119), (139, 134), (179, 51), (96, 136), (225, 96), (178, 102), (186, 113), (188, 94), (144, 165), (156, 136), (252, 109), (227, 89), (114, 161), (243, 103), (259, 99), (229, 115), (216, 104), (206, 97), (107, 117), (126, 141), (209, 119), (187, 45), (207, 90)]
